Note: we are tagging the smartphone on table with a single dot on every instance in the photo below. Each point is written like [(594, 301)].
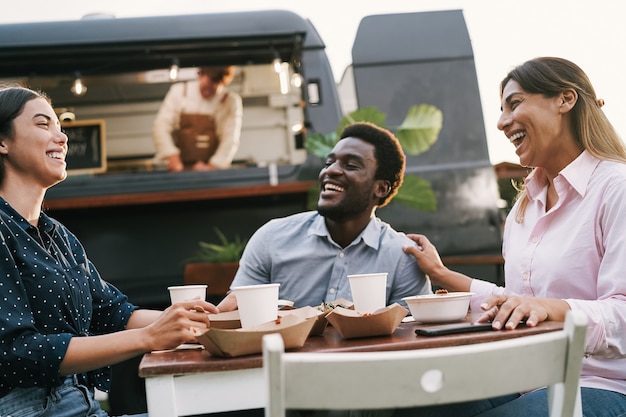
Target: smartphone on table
[(452, 328)]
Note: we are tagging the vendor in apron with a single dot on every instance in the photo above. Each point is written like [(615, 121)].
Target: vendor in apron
[(199, 123)]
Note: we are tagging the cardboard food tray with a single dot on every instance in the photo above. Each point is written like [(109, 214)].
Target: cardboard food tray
[(238, 342), (309, 313), (352, 324), (226, 320), (230, 319)]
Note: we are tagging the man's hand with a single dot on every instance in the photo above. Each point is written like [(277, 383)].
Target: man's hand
[(174, 163), (202, 166), (229, 303)]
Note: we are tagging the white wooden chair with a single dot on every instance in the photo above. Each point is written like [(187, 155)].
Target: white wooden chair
[(410, 378)]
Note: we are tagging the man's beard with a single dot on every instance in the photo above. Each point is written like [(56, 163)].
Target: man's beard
[(345, 210)]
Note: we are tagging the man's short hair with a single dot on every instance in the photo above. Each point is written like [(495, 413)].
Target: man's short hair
[(219, 74), (390, 158)]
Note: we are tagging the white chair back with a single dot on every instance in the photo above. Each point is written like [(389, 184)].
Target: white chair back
[(411, 378)]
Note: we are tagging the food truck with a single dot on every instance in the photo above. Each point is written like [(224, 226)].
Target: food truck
[(107, 77)]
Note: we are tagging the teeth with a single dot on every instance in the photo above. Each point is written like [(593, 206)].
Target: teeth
[(516, 136), (332, 187), (56, 155)]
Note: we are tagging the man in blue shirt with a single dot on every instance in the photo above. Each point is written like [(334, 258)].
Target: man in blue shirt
[(311, 254)]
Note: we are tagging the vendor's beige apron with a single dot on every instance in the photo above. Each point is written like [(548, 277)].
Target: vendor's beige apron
[(196, 137)]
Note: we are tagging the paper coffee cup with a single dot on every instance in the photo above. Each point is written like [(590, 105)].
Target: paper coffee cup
[(257, 303), (180, 293), (369, 291)]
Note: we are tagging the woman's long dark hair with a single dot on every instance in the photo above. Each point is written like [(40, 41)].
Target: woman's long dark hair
[(13, 98)]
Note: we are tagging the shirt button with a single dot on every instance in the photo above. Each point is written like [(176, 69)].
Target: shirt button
[(535, 239), (525, 276), (341, 254), (332, 291)]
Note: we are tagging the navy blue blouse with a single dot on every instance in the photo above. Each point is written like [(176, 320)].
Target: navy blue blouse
[(49, 293)]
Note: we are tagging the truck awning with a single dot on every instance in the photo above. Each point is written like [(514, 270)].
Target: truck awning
[(122, 45)]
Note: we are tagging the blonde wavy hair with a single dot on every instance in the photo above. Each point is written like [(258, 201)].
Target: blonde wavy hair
[(592, 130)]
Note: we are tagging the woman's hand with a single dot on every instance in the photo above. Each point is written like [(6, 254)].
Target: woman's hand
[(179, 323), (425, 254), (508, 311), (428, 260)]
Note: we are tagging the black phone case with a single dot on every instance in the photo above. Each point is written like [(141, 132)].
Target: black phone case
[(453, 328)]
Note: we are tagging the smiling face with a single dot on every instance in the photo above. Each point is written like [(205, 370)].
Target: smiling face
[(36, 152), (348, 188), (537, 126)]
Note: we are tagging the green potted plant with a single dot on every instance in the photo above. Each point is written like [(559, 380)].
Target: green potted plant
[(215, 264)]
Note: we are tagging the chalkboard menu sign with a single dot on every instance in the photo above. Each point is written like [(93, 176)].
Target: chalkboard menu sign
[(86, 150)]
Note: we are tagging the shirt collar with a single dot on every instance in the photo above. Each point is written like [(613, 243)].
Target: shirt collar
[(576, 174), (579, 172), (45, 223), (370, 235)]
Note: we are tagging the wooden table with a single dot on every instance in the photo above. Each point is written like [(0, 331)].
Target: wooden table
[(186, 382)]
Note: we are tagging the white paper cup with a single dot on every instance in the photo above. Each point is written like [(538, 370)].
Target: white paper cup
[(257, 303), (180, 293), (369, 291)]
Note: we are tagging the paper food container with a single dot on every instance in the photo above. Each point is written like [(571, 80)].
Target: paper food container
[(309, 312), (340, 302), (351, 324), (226, 320), (238, 342)]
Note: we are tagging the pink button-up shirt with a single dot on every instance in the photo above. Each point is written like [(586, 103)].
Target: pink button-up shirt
[(576, 252)]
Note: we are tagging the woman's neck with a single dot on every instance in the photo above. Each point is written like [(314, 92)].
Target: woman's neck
[(25, 200)]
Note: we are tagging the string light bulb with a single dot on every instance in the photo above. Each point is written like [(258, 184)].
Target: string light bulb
[(277, 63), (174, 69), (78, 88), (296, 80)]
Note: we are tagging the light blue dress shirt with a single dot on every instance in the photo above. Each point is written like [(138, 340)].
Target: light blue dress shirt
[(298, 252)]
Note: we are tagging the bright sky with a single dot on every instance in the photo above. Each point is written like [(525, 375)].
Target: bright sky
[(504, 33)]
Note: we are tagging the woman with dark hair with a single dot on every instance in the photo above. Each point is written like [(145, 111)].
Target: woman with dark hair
[(564, 244), (61, 325)]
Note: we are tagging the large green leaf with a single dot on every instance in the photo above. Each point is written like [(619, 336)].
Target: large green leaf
[(319, 144), (366, 114), (420, 128), (417, 133), (416, 192)]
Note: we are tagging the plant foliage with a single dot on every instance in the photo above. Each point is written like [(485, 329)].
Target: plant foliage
[(225, 251), (417, 134), (420, 129)]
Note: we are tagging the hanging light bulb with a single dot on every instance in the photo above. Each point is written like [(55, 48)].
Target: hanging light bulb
[(174, 69), (78, 88), (296, 80), (277, 63)]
